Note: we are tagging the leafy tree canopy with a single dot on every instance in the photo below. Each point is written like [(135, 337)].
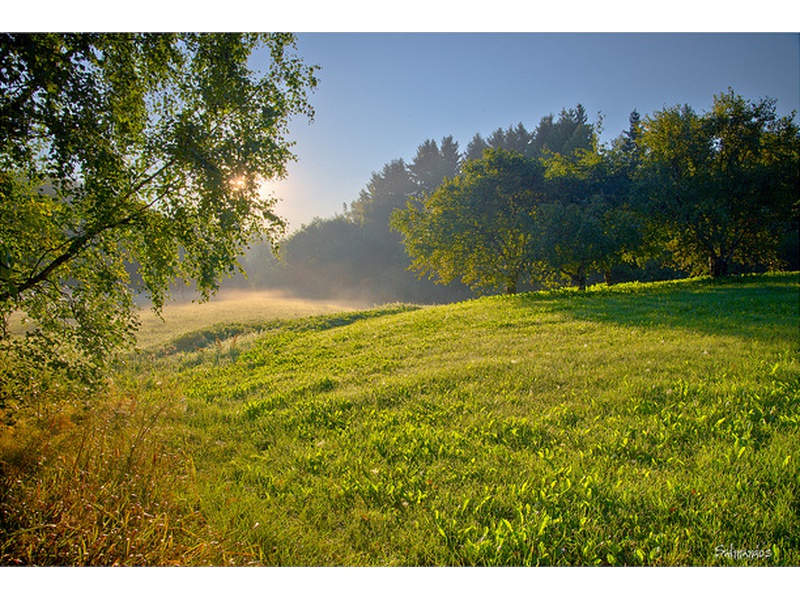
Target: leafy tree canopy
[(476, 226), (716, 185), (585, 223), (132, 149)]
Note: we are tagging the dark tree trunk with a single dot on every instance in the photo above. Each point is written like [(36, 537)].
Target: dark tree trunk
[(718, 266), (579, 280)]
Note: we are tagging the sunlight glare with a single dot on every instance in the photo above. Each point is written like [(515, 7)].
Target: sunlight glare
[(237, 183)]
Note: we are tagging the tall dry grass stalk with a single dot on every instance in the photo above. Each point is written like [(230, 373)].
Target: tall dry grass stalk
[(103, 485)]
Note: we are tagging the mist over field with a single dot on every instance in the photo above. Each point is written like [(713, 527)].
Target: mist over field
[(185, 314)]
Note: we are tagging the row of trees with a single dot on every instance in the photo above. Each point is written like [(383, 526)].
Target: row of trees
[(359, 254), (678, 192)]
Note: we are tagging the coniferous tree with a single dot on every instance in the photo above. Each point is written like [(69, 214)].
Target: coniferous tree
[(476, 147), (569, 133), (514, 139), (451, 156), (433, 163)]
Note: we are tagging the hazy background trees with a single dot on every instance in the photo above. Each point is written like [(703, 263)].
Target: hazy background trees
[(356, 255), (677, 193)]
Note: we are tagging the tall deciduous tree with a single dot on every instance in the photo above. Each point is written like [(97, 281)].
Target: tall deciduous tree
[(476, 227), (722, 184), (586, 224), (144, 149)]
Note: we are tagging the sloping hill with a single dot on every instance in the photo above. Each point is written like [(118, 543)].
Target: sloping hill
[(643, 424)]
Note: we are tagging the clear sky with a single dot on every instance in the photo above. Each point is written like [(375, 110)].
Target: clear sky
[(381, 95)]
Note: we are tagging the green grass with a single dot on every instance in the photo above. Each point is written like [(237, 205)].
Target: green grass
[(645, 424), (638, 425), (247, 308)]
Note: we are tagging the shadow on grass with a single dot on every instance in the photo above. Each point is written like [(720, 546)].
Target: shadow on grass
[(762, 307)]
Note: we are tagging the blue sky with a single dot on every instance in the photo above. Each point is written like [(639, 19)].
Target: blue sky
[(381, 95)]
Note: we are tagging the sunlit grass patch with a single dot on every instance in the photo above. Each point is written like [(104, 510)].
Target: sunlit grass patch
[(645, 425), (543, 429)]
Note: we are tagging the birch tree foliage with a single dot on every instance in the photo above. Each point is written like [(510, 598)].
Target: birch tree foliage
[(137, 154)]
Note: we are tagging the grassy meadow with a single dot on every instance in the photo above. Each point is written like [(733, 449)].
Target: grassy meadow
[(653, 424), (243, 307)]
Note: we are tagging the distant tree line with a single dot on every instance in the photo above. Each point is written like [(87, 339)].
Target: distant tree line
[(678, 193)]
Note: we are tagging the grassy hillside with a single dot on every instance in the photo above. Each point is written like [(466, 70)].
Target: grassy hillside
[(638, 425), (248, 307), (643, 424)]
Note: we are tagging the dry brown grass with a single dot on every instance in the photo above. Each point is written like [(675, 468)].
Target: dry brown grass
[(106, 486)]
